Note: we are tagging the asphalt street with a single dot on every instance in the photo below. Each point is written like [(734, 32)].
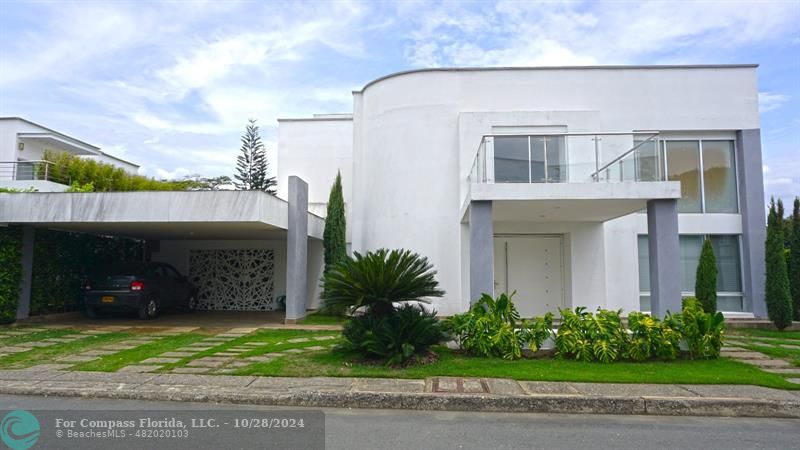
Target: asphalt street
[(401, 429)]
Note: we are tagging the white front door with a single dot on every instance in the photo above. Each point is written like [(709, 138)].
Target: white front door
[(532, 266)]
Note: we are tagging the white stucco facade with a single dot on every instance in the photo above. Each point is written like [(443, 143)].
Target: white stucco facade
[(415, 136)]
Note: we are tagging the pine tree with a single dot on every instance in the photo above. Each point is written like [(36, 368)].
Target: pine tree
[(705, 285), (779, 301), (252, 164), (334, 236), (794, 259)]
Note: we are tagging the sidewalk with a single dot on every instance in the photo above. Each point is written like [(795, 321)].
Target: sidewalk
[(440, 393)]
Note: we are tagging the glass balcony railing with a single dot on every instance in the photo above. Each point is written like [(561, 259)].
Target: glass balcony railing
[(569, 158)]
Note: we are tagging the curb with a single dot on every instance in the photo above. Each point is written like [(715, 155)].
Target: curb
[(556, 404)]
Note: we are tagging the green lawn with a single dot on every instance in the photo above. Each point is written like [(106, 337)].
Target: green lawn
[(791, 354), (317, 319), (763, 333), (721, 371)]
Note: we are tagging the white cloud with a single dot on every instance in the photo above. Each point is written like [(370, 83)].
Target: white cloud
[(768, 101)]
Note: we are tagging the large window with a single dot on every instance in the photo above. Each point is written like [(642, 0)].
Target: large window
[(530, 159), (707, 172), (729, 269)]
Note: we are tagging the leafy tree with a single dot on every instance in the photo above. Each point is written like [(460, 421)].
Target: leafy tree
[(252, 165), (198, 182), (377, 280), (794, 259), (705, 285), (334, 236), (778, 297)]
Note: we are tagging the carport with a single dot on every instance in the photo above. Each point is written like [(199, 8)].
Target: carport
[(244, 248)]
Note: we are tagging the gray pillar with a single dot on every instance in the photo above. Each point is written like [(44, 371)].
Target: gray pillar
[(665, 257), (24, 303), (297, 251), (481, 250), (754, 228)]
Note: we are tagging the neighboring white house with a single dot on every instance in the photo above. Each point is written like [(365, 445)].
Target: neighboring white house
[(22, 145), (537, 180)]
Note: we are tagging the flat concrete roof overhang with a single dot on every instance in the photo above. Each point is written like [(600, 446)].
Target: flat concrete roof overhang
[(158, 215), (567, 202)]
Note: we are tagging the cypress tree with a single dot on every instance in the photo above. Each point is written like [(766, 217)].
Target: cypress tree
[(334, 236), (779, 301), (794, 259), (252, 164), (705, 285)]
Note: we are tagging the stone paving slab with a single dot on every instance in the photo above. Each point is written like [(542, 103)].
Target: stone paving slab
[(315, 348), (178, 354), (745, 355), (27, 375), (10, 349), (33, 344), (783, 370), (294, 350), (43, 367), (108, 377), (203, 362), (261, 359), (767, 362), (388, 385), (297, 340), (160, 360), (119, 347), (732, 349), (728, 391), (548, 388), (320, 384), (139, 368), (503, 386), (202, 380), (323, 338), (99, 353), (790, 346), (62, 340), (637, 390), (793, 380), (189, 370), (227, 353)]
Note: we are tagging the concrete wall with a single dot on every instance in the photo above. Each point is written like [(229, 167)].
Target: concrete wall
[(416, 136)]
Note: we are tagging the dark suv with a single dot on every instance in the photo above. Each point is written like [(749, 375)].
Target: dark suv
[(145, 287)]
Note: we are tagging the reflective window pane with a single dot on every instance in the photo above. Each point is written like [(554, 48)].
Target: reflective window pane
[(730, 303), (683, 164), (646, 161), (511, 159), (537, 159), (644, 303), (729, 271), (556, 159), (690, 247), (719, 177)]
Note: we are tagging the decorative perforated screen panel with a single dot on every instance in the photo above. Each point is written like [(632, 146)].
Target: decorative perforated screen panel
[(239, 280)]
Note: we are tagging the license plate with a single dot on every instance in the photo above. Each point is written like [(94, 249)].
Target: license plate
[(107, 299)]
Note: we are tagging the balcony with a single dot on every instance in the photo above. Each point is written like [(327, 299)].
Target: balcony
[(39, 175), (569, 176)]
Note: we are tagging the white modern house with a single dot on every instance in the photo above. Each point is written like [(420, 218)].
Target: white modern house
[(573, 186), (22, 145)]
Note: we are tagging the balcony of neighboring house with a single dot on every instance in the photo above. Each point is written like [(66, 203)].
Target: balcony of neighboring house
[(33, 175), (569, 177)]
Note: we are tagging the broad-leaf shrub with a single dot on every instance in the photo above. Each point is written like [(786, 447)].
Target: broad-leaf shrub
[(701, 330), (651, 338), (492, 327), (395, 338), (10, 271), (585, 336)]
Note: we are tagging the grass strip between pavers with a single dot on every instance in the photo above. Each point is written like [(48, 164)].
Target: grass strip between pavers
[(37, 336), (777, 352), (112, 363), (719, 371), (48, 355), (736, 332)]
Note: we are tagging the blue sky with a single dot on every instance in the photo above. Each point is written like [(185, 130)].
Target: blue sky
[(171, 85)]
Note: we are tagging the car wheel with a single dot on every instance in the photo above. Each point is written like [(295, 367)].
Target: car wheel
[(91, 313), (149, 310)]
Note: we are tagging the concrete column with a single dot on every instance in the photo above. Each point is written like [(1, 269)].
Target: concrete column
[(297, 251), (665, 257), (481, 250), (24, 303), (754, 228)]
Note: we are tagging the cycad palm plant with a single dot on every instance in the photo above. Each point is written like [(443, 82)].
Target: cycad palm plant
[(377, 280)]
